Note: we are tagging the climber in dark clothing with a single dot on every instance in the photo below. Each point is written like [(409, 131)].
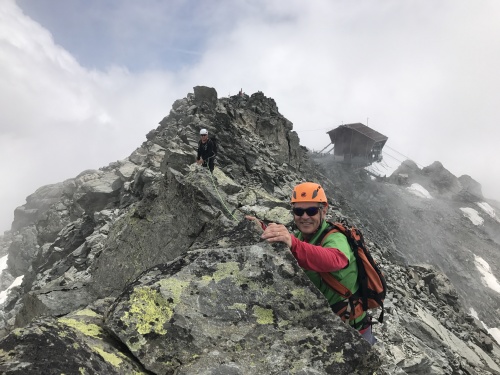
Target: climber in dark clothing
[(206, 153)]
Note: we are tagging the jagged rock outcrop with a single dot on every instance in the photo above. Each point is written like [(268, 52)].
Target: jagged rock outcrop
[(146, 188), (439, 181), (471, 189), (147, 266)]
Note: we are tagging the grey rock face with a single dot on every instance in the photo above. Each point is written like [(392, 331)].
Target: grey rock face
[(471, 189), (441, 287), (22, 250), (99, 190), (439, 181), (37, 204), (205, 95), (216, 310), (442, 180)]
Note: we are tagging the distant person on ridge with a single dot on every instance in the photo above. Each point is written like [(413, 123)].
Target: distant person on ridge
[(309, 207), (206, 151)]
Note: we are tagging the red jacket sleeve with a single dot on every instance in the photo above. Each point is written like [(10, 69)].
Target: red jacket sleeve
[(317, 258)]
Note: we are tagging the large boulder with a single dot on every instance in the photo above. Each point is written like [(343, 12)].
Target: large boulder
[(471, 189), (38, 203), (238, 310), (74, 344), (441, 179), (22, 250), (98, 190), (207, 95)]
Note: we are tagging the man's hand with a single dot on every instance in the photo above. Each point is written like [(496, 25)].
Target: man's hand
[(199, 162), (277, 233)]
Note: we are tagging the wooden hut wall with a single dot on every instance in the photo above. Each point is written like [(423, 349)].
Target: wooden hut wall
[(342, 140), (361, 145), (350, 143)]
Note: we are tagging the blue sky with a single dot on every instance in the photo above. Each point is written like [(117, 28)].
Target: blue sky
[(83, 81), (141, 35)]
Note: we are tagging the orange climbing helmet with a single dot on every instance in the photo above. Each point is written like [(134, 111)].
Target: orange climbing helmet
[(309, 192)]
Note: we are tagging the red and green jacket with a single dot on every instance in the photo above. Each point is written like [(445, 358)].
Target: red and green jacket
[(334, 256)]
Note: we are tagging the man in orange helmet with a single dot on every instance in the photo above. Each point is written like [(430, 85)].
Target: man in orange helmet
[(334, 255)]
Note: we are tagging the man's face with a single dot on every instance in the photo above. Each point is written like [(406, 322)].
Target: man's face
[(204, 138), (305, 223)]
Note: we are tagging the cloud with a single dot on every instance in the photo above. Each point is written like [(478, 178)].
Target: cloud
[(59, 118)]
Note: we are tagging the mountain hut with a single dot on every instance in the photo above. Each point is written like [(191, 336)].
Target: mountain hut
[(357, 144)]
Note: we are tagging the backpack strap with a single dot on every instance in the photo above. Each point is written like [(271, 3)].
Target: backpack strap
[(348, 308), (336, 285), (327, 277), (214, 152)]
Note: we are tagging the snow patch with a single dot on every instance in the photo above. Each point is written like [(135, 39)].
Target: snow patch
[(3, 263), (495, 332), (472, 215), (488, 278), (489, 210), (16, 282), (419, 191)]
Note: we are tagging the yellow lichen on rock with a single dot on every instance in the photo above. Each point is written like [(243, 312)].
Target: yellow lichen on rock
[(18, 332), (298, 293), (174, 287), (87, 329), (264, 316), (238, 306), (148, 311), (4, 356), (283, 323), (338, 357), (225, 270), (86, 312), (108, 357)]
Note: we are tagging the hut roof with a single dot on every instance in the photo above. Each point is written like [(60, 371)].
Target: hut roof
[(363, 129)]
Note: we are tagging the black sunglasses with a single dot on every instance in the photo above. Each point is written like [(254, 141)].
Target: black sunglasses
[(310, 211)]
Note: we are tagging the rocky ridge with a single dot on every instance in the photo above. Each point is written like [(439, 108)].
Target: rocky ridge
[(147, 266)]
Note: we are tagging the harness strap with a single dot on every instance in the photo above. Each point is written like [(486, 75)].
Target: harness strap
[(349, 310)]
